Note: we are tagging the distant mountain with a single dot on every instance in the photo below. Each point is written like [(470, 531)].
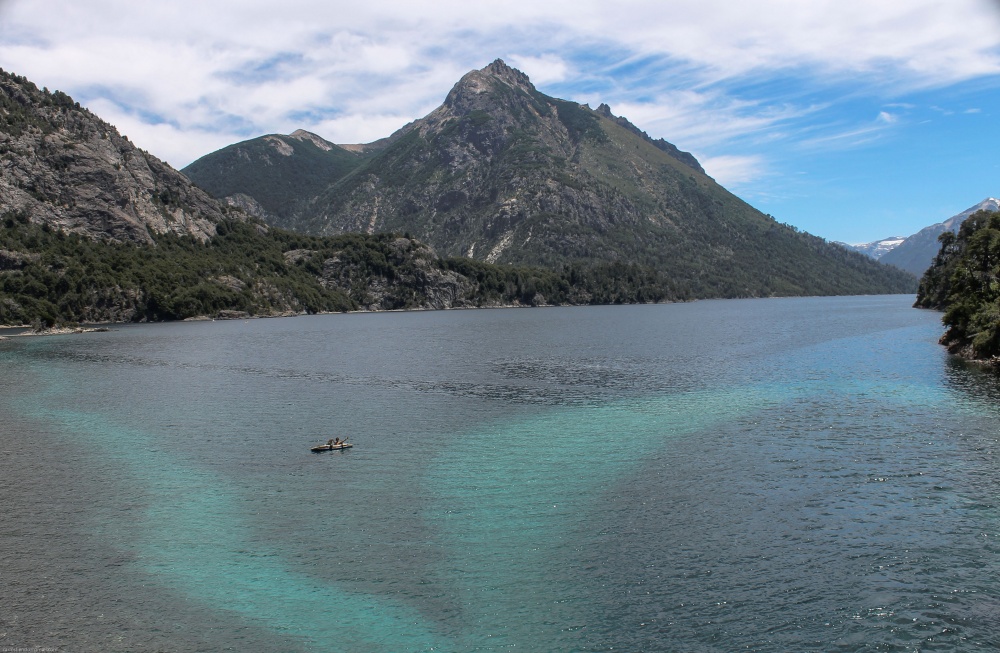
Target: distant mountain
[(916, 253), (503, 173), (298, 167), (876, 249)]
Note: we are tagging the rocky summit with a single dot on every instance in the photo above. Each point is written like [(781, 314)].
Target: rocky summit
[(501, 172), (65, 167)]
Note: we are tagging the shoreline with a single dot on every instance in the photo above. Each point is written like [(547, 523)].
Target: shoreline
[(55, 331), (105, 326), (231, 316)]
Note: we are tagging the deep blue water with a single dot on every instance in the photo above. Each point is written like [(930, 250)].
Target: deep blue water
[(762, 475)]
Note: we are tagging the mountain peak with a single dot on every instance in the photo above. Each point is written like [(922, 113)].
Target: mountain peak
[(988, 204), (511, 76), (917, 252), (479, 90), (318, 141), (481, 81), (955, 221)]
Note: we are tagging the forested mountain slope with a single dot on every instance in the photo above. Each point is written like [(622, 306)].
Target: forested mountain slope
[(49, 277), (279, 174)]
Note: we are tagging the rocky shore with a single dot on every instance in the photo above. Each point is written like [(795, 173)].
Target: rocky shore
[(55, 331)]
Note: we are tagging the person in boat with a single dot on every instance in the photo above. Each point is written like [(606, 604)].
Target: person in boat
[(329, 443), (337, 443)]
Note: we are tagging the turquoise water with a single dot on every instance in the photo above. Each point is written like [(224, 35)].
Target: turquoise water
[(805, 474)]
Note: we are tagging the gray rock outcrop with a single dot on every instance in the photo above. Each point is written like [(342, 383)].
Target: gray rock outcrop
[(62, 166)]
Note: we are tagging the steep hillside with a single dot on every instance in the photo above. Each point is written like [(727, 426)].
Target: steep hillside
[(62, 166), (503, 173)]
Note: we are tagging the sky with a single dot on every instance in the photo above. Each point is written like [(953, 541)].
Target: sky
[(853, 120)]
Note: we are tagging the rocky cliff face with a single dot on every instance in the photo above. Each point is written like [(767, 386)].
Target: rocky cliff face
[(62, 166), (418, 281)]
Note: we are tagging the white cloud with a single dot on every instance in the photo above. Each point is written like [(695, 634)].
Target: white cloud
[(162, 140), (922, 41), (735, 171), (698, 120), (544, 69), (185, 75), (846, 138)]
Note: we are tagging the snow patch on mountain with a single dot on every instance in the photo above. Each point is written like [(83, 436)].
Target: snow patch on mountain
[(877, 249)]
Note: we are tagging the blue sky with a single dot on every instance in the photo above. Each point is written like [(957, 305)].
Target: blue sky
[(850, 119)]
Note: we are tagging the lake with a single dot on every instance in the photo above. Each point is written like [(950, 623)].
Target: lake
[(760, 475)]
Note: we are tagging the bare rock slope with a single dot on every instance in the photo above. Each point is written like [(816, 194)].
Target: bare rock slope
[(63, 166)]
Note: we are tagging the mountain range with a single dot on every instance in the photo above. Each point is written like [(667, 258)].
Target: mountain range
[(503, 173), (590, 208), (916, 253), (93, 229)]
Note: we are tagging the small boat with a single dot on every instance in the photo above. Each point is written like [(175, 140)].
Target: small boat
[(320, 448)]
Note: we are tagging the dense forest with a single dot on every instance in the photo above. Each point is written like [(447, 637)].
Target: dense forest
[(48, 277), (964, 282)]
